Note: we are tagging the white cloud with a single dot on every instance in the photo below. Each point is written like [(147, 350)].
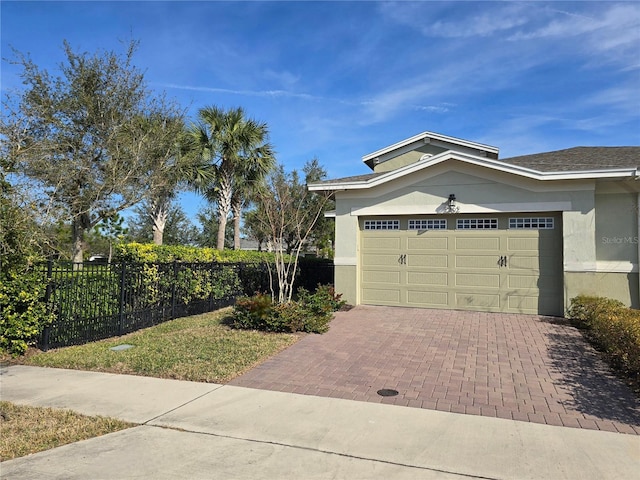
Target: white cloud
[(284, 78), (249, 93)]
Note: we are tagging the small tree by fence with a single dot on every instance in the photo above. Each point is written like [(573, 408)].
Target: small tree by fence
[(102, 301)]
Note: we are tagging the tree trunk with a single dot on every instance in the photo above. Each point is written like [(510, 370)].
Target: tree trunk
[(224, 208), (159, 213), (77, 253), (222, 226), (237, 212), (158, 235), (79, 226)]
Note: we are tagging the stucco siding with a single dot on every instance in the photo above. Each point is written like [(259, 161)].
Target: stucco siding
[(346, 282), (620, 286), (407, 158), (617, 228)]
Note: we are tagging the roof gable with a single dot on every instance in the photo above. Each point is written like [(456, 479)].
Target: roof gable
[(431, 144), (516, 166)]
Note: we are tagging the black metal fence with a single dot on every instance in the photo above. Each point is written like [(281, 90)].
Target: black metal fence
[(101, 301)]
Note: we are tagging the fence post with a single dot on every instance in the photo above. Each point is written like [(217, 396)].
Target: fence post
[(173, 289), (210, 305), (46, 331), (121, 304)]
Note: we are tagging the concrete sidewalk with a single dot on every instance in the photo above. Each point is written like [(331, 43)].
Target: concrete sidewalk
[(195, 430)]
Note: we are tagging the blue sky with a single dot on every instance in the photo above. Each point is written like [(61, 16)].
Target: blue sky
[(338, 80)]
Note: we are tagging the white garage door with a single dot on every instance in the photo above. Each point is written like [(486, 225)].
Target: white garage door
[(497, 263)]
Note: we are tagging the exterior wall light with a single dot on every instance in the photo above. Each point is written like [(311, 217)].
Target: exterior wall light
[(451, 204)]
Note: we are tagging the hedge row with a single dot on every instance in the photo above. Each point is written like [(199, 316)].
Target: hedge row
[(612, 327), (150, 253)]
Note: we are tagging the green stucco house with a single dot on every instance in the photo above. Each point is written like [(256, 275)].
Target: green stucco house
[(445, 223)]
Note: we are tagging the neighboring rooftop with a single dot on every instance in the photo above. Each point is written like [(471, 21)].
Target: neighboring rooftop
[(579, 159)]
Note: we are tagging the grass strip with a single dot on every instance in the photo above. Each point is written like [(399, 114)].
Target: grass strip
[(25, 430), (199, 348)]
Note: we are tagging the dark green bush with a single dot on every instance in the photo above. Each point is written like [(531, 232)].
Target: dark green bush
[(612, 327), (311, 312), (23, 311), (253, 312)]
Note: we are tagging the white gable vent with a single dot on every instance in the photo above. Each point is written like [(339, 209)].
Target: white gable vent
[(425, 156)]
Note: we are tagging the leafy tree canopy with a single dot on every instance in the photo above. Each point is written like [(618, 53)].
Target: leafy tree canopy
[(94, 137)]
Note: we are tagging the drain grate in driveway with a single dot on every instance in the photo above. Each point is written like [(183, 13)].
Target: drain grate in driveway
[(387, 392)]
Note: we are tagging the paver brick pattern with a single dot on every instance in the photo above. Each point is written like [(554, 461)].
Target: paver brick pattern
[(519, 367)]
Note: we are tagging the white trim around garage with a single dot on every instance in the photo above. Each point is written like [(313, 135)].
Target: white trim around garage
[(602, 267), (462, 208)]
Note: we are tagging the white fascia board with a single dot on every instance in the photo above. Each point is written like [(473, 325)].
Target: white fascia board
[(482, 162), (436, 209), (430, 135)]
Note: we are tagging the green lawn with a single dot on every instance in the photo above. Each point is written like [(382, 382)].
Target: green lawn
[(199, 348)]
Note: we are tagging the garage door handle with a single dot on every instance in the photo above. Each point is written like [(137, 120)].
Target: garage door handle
[(402, 259), (502, 261)]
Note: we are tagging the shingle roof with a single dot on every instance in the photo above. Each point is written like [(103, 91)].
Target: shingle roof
[(580, 159), (577, 159), (355, 178)]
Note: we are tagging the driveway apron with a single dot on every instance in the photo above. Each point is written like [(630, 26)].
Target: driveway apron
[(520, 367)]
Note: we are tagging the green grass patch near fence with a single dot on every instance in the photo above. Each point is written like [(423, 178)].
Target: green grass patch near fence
[(199, 348), (27, 430)]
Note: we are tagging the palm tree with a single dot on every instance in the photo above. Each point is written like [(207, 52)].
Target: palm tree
[(183, 171), (238, 151)]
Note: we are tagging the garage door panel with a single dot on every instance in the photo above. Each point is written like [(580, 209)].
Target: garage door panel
[(526, 304), (428, 299), (377, 259), (428, 278), (381, 276), (437, 261), (477, 280), (477, 300), (381, 243), (523, 244), (522, 281), (523, 263), (428, 243), (381, 295), (477, 243), (477, 261)]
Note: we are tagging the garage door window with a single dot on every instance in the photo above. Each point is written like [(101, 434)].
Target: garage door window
[(477, 224), (431, 224), (533, 223), (382, 224)]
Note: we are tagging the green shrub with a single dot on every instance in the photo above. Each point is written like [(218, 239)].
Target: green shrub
[(150, 253), (23, 312), (584, 309), (311, 312), (253, 312), (612, 327)]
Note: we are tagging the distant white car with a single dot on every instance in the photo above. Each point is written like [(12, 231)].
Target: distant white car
[(99, 259)]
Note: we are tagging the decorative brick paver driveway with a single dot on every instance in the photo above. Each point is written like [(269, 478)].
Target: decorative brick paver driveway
[(520, 367)]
